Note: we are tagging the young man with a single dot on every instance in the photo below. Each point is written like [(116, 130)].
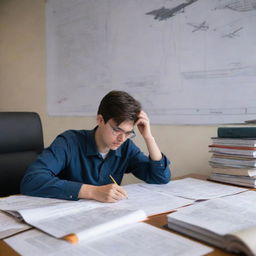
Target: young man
[(80, 164)]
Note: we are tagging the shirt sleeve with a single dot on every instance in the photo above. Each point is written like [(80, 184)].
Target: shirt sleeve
[(41, 177), (144, 168)]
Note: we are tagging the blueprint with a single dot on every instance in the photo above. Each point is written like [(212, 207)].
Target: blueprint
[(186, 61)]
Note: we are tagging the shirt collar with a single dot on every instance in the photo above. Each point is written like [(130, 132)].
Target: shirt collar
[(91, 147)]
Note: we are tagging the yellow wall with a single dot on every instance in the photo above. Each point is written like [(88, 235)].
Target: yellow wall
[(23, 88)]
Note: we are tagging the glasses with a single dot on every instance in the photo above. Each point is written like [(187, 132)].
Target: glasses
[(116, 131)]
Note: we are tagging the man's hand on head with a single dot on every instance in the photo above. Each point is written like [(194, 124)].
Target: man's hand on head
[(143, 125)]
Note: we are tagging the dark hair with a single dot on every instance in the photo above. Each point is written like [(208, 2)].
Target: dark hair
[(119, 106)]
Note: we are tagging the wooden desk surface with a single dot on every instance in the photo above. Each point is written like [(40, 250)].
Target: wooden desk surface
[(159, 220)]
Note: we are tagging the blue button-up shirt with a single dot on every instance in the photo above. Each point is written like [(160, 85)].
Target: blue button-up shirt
[(73, 159)]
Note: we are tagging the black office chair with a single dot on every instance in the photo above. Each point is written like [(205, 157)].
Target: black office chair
[(21, 140)]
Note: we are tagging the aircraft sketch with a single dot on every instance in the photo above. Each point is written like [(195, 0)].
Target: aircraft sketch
[(233, 33), (199, 27), (166, 13)]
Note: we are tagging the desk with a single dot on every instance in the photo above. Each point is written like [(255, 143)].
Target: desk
[(159, 220)]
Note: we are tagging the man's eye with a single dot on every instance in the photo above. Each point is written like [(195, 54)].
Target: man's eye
[(116, 129)]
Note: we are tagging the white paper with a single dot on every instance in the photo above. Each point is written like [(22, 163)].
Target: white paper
[(60, 218), (194, 189), (221, 216), (28, 206), (188, 62), (10, 225), (139, 239), (151, 201), (15, 203), (103, 220)]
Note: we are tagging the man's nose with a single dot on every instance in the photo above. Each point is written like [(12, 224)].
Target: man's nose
[(121, 137)]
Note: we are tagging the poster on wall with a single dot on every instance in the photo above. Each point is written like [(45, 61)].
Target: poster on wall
[(187, 61)]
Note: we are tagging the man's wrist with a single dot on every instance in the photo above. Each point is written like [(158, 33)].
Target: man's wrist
[(149, 139), (85, 191)]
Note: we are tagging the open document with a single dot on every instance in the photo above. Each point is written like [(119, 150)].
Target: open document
[(61, 217), (152, 202), (73, 221), (137, 239), (10, 225), (227, 222), (195, 189)]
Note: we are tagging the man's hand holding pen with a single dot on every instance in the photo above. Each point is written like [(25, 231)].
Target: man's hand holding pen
[(109, 193)]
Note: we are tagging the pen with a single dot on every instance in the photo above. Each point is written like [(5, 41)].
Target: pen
[(113, 179), (117, 184)]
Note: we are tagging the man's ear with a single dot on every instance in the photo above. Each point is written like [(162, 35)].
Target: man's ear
[(100, 119)]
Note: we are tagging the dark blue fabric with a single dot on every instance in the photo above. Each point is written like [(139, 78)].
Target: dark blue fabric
[(73, 159)]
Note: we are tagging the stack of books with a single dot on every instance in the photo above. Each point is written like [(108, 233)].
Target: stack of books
[(234, 156)]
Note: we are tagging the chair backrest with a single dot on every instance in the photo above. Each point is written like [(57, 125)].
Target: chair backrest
[(21, 140)]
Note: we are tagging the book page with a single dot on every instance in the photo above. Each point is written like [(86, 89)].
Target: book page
[(13, 204), (59, 210), (27, 202), (81, 221), (138, 239), (152, 202), (102, 220), (197, 233), (60, 217), (242, 240), (220, 216), (33, 209), (194, 189), (10, 225), (245, 200)]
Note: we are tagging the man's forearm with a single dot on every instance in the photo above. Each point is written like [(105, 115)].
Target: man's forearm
[(153, 149), (85, 192), (44, 184)]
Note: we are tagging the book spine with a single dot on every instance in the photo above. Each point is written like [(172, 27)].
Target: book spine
[(232, 147), (237, 132)]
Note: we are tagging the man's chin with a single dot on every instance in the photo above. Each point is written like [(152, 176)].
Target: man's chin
[(115, 146)]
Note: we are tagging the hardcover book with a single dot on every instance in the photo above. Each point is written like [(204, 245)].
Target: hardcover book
[(228, 222), (237, 132)]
